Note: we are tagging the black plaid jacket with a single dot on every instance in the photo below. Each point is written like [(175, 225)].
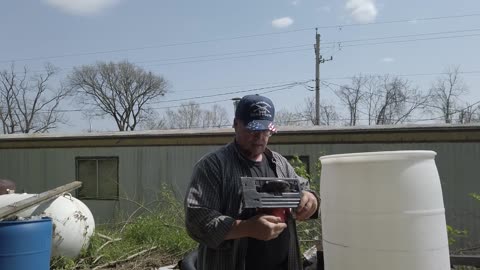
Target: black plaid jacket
[(214, 201)]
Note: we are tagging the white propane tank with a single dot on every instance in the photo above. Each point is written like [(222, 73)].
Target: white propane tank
[(73, 223), (383, 210)]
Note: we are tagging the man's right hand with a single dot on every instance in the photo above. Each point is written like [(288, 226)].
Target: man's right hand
[(266, 227), (262, 227)]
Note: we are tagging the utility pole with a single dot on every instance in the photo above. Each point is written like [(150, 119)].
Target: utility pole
[(318, 60), (235, 103)]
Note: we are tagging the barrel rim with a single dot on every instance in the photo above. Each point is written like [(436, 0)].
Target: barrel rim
[(13, 222), (380, 156)]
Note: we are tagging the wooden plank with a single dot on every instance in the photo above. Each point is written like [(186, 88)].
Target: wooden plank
[(467, 260), (16, 207)]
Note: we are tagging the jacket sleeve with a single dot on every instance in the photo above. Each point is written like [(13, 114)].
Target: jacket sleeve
[(203, 219)]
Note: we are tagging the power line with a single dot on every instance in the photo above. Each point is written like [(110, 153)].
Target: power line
[(151, 47), (353, 45), (274, 50), (404, 20), (410, 40), (405, 36), (268, 90), (198, 61), (236, 86), (294, 83), (226, 58), (289, 85), (299, 82), (298, 120), (272, 53), (225, 54), (175, 44), (402, 75), (222, 100)]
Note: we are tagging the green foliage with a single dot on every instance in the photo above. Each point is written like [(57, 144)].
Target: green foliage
[(301, 170), (453, 234), (159, 230), (464, 267), (60, 262), (310, 231), (161, 226), (476, 196), (300, 167)]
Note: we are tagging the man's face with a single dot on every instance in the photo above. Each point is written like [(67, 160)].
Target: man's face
[(252, 143)]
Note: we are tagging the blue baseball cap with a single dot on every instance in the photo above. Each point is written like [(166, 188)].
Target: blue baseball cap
[(257, 112)]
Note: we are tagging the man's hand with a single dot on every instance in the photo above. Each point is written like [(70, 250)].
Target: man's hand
[(265, 227), (262, 227), (307, 207)]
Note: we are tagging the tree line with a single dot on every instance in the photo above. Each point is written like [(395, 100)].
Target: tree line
[(127, 94), (390, 100)]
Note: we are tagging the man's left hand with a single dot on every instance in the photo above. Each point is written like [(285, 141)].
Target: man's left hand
[(307, 207)]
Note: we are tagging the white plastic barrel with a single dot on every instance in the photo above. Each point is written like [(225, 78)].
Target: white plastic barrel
[(383, 210), (73, 223)]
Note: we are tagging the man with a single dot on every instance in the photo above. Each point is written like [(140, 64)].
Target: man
[(231, 237)]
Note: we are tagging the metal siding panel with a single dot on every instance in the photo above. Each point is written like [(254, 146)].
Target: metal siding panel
[(143, 169), (458, 167), (180, 161)]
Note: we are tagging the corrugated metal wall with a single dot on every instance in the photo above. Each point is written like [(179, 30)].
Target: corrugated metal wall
[(458, 165), (36, 166), (141, 172)]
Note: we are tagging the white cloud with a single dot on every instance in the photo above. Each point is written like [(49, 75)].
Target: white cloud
[(82, 7), (388, 59), (282, 22), (296, 2), (362, 11)]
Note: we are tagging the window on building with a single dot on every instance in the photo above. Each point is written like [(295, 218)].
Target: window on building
[(99, 177)]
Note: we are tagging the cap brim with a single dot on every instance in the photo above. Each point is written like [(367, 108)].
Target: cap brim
[(259, 125)]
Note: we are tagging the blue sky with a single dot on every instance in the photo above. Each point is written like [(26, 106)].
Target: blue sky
[(216, 47)]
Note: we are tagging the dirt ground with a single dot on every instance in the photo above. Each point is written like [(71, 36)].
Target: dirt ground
[(151, 261)]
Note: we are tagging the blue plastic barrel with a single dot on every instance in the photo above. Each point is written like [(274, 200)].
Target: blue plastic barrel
[(26, 244)]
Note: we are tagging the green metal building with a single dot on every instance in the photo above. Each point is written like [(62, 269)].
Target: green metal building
[(119, 168)]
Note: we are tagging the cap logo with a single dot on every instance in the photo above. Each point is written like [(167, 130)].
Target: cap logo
[(260, 109)]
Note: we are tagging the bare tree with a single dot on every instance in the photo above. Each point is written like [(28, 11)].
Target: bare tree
[(28, 104), (153, 120), (191, 115), (395, 100), (446, 92), (187, 116), (120, 90), (307, 113), (329, 115), (216, 117), (351, 96), (469, 114), (372, 98), (284, 117), (383, 99)]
